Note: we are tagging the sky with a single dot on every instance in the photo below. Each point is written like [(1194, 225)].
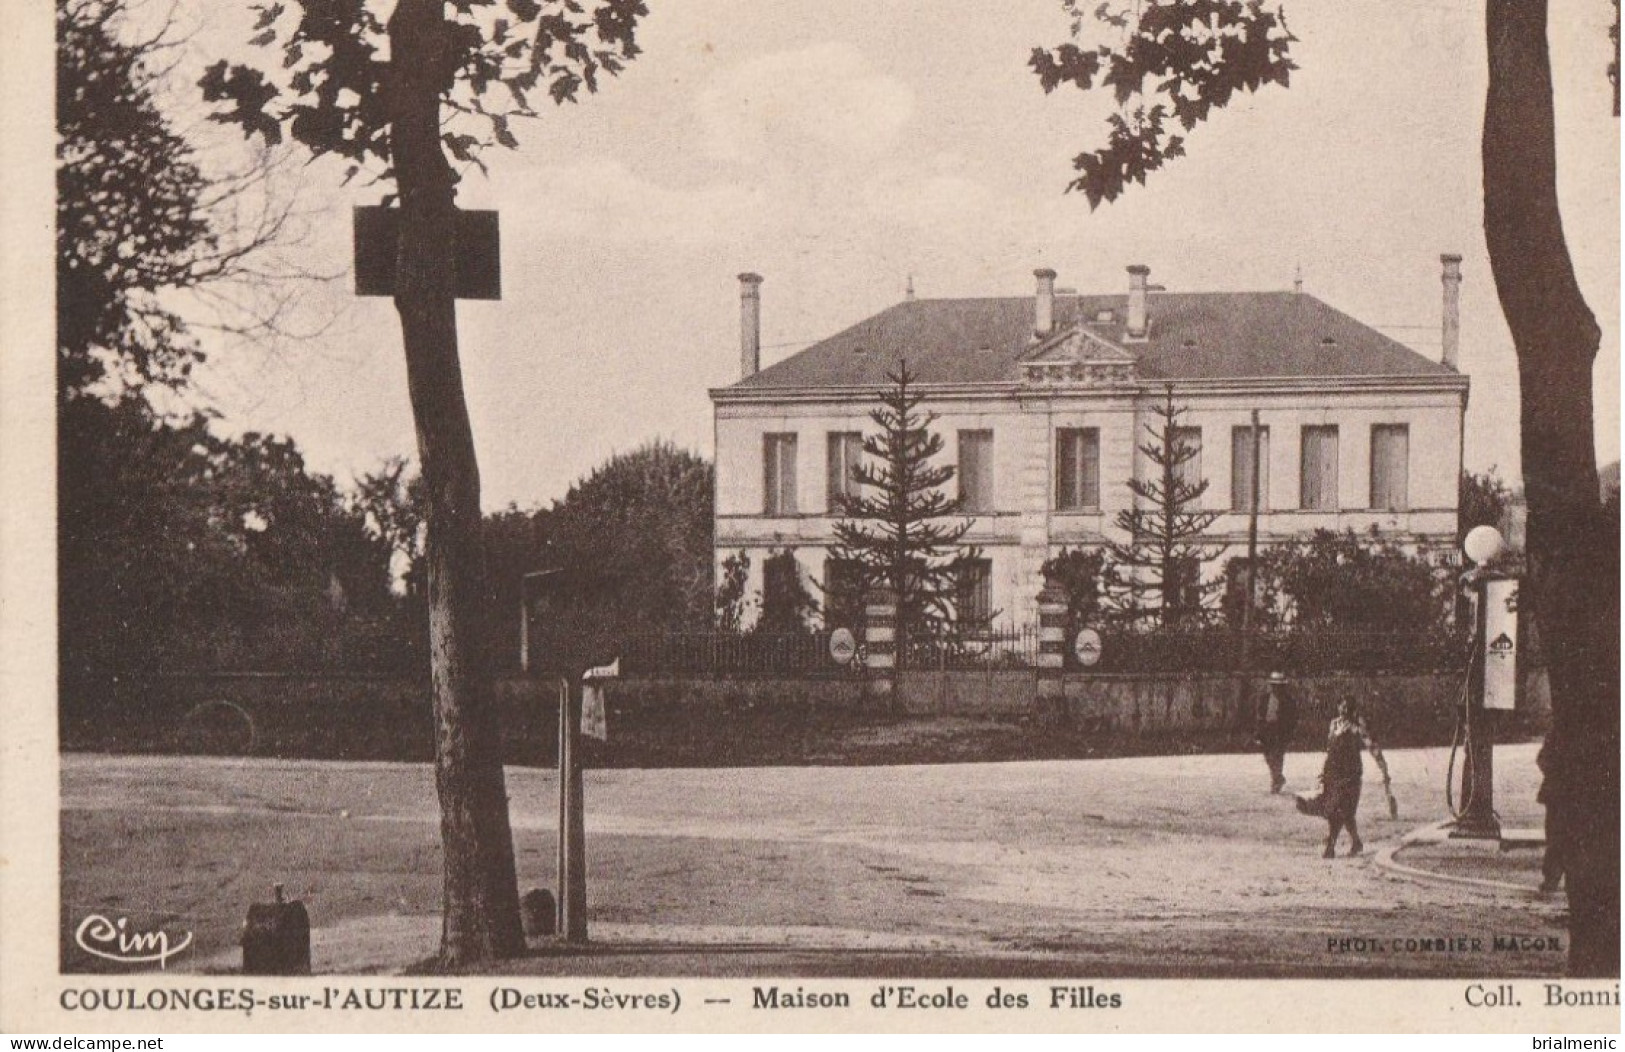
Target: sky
[(838, 148)]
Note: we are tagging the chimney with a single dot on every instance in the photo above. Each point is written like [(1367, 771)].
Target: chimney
[(750, 324), (1452, 309), (1138, 322), (1044, 308)]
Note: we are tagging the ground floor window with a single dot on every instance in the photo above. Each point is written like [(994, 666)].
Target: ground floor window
[(843, 593), (974, 595)]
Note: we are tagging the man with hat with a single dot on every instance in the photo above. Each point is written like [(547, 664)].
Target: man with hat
[(1277, 718)]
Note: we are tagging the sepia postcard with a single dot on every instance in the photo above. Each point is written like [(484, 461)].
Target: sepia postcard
[(725, 516)]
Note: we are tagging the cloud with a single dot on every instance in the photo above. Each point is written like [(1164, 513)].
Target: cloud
[(603, 199), (811, 101), (929, 200)]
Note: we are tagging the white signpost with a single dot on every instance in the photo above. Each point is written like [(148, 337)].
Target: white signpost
[(1086, 647), (843, 646)]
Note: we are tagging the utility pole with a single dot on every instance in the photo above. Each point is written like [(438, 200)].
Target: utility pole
[(1252, 554)]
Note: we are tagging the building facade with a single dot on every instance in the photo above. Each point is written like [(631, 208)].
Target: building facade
[(1043, 402)]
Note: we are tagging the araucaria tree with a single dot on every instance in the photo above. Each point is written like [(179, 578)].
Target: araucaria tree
[(1188, 58), (330, 89), (899, 527), (1157, 572)]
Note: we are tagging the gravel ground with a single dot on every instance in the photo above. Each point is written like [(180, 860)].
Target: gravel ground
[(1131, 867)]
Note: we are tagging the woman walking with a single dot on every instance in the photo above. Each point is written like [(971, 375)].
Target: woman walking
[(1341, 777)]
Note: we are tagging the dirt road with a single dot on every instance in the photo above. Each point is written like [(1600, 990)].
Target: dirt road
[(1132, 867)]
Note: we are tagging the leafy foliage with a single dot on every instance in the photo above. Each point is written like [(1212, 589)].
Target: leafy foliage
[(732, 604), (787, 606), (1187, 57), (1157, 573), (139, 218), (1346, 581), (896, 528), (1082, 575), (390, 501), (181, 549), (329, 88), (1484, 498), (632, 542), (130, 220)]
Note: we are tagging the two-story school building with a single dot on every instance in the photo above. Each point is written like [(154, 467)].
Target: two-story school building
[(1043, 402)]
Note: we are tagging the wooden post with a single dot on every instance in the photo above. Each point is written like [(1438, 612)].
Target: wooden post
[(572, 817)]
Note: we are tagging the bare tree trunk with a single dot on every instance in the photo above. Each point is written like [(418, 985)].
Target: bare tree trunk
[(1573, 568), (481, 907)]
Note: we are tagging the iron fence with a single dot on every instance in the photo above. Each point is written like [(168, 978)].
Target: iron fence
[(721, 655), (1202, 650)]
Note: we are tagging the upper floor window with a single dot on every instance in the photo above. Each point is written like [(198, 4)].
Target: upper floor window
[(1242, 474), (779, 474), (845, 454), (973, 600), (1317, 482), (976, 471), (1390, 466), (1187, 442), (1077, 469)]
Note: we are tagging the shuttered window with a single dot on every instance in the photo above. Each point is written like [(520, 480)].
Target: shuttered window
[(975, 593), (1317, 484), (1187, 473), (1241, 469), (1390, 467), (976, 471), (845, 452), (1077, 469), (779, 474)]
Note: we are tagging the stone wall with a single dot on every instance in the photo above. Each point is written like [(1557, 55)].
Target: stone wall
[(678, 722)]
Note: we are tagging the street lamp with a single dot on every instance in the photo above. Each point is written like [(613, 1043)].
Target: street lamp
[(1483, 543), (1492, 679)]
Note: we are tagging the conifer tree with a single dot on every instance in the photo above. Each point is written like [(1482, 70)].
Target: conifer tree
[(1157, 572), (897, 527)]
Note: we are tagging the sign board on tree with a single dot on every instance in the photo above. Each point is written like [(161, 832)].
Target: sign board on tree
[(1086, 647), (478, 261), (1501, 644), (843, 647)]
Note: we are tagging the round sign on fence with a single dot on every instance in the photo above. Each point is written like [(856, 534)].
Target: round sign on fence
[(1086, 647), (843, 647)]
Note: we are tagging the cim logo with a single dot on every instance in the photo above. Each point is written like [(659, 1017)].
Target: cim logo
[(115, 940)]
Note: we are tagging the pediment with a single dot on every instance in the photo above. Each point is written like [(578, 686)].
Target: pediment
[(1077, 357)]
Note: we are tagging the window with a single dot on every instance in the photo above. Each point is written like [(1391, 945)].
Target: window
[(976, 471), (1317, 483), (1188, 472), (1390, 466), (973, 600), (1241, 469), (779, 474), (1234, 600), (843, 593), (845, 454), (1077, 469), (1182, 591)]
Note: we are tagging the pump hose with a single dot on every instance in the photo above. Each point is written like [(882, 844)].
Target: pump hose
[(1459, 739), (1462, 740)]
